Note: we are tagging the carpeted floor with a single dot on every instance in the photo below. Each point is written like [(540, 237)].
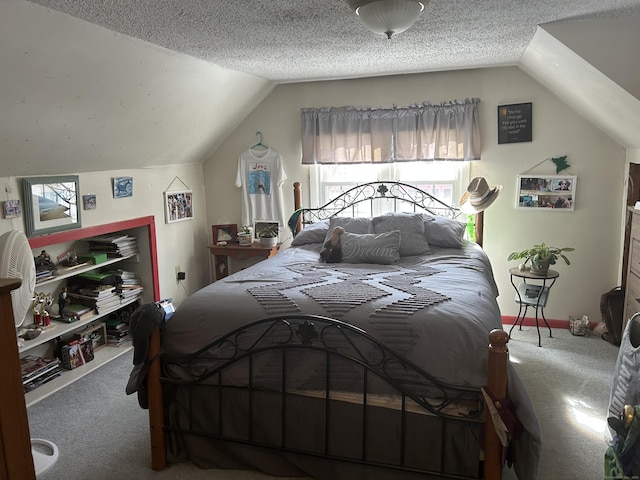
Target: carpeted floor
[(103, 434)]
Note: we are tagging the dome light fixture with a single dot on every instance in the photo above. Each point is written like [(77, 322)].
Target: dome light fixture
[(388, 17)]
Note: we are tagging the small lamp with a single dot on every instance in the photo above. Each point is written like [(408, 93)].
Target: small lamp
[(388, 17)]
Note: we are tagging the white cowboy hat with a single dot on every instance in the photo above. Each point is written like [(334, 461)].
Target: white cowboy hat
[(478, 196)]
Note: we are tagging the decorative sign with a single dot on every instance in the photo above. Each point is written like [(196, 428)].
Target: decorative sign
[(514, 123)]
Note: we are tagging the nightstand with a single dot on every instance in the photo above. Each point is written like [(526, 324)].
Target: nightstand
[(222, 253), (532, 291)]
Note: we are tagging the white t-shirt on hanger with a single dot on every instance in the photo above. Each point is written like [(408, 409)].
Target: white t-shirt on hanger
[(261, 175)]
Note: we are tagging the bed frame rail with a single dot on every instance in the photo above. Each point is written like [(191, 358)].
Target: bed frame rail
[(334, 343)]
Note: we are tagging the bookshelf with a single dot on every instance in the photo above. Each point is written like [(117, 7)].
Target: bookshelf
[(143, 264)]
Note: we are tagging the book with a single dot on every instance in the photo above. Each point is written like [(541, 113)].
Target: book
[(33, 366), (35, 383)]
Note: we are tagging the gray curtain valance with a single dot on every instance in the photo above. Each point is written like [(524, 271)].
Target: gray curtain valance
[(447, 131)]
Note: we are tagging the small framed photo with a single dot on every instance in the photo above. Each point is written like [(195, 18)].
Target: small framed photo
[(266, 228), (178, 205), (89, 202), (224, 233), (550, 192), (122, 187), (11, 208), (97, 333)]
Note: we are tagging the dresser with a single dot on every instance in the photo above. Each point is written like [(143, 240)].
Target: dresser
[(632, 293)]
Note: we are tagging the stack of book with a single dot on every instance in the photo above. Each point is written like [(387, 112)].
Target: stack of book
[(117, 331), (77, 310), (130, 285), (98, 297), (37, 371), (114, 245)]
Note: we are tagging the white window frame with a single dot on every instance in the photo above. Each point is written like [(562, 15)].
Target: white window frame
[(455, 174)]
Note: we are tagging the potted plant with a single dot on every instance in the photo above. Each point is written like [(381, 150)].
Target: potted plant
[(245, 236), (541, 256), (268, 238)]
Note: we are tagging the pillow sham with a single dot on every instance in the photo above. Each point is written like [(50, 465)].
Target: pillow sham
[(380, 248), (312, 233), (411, 227), (443, 232), (350, 224)]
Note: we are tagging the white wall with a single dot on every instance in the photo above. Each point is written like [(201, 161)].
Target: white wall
[(180, 243), (593, 228)]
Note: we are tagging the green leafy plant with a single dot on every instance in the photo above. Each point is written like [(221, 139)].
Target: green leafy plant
[(245, 229), (541, 256)]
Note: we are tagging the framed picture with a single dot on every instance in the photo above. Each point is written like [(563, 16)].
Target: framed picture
[(178, 205), (122, 187), (552, 192), (224, 233), (11, 208), (264, 226), (514, 123), (89, 202), (50, 204)]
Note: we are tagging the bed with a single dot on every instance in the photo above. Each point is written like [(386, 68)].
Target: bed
[(372, 367)]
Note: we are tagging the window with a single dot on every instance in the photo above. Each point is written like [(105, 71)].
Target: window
[(425, 145), (444, 180)]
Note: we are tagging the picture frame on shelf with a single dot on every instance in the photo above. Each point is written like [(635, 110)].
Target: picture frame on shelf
[(547, 192), (224, 233), (51, 204), (261, 227)]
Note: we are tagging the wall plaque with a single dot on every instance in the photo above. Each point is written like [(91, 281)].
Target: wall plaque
[(514, 123)]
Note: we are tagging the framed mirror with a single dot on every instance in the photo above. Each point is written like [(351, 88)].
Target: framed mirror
[(50, 204)]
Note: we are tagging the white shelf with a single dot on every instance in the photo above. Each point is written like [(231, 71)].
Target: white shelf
[(83, 269), (102, 356), (62, 328)]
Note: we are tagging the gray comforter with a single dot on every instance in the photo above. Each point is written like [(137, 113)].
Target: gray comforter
[(437, 310)]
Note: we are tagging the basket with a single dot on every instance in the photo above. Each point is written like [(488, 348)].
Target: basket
[(579, 325)]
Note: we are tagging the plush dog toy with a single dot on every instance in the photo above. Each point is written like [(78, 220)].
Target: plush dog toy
[(332, 251)]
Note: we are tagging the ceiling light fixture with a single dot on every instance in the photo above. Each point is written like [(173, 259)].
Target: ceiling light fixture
[(388, 17)]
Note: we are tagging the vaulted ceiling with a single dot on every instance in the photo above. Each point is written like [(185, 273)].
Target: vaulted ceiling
[(91, 85)]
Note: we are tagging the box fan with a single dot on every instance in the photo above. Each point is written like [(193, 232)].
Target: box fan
[(16, 261)]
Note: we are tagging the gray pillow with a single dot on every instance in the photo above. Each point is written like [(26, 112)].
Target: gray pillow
[(313, 233), (443, 232), (380, 248), (350, 224), (411, 226)]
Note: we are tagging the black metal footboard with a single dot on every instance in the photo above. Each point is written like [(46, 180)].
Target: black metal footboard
[(316, 387)]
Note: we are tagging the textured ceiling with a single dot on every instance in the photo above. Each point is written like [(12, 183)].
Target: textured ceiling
[(303, 40)]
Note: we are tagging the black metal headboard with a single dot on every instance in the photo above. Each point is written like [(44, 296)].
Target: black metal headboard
[(404, 197)]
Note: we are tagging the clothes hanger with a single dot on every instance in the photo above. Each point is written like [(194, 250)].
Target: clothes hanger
[(259, 145)]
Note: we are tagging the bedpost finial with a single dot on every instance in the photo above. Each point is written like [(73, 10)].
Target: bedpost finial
[(498, 338)]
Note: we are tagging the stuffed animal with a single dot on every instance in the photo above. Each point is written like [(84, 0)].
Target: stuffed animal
[(332, 251)]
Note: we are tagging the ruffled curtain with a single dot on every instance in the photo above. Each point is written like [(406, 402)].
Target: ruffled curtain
[(448, 131)]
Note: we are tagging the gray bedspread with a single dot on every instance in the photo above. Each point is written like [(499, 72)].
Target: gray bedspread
[(437, 310)]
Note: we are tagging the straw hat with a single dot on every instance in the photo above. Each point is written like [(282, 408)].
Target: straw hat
[(478, 196)]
